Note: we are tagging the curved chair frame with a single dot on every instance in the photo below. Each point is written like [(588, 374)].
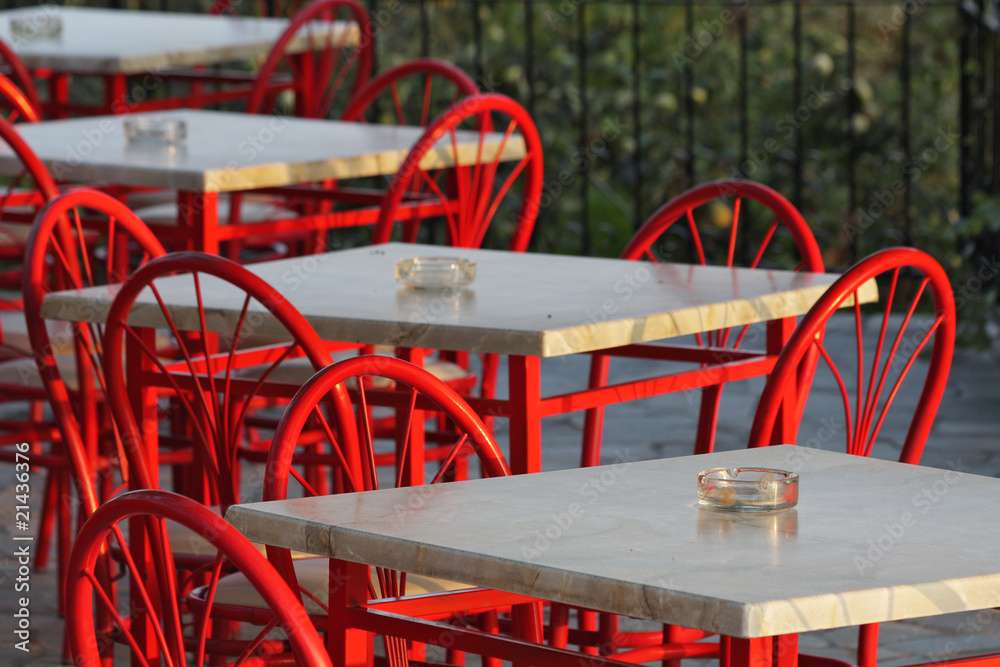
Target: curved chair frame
[(471, 192), (866, 415), (680, 210), (320, 63), (15, 203), (21, 106), (892, 359), (57, 259), (20, 76), (156, 592), (376, 380), (436, 74), (20, 200), (215, 403)]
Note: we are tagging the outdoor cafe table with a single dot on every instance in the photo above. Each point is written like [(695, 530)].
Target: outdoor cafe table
[(114, 44), (527, 306), (235, 152), (870, 541)]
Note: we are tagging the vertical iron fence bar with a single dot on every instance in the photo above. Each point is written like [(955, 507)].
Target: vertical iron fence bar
[(637, 211), (995, 110), (966, 161), (980, 92), (852, 140), (688, 85), (744, 92), (797, 102), (372, 12), (906, 139), (581, 50), (425, 30), (529, 54), (477, 37)]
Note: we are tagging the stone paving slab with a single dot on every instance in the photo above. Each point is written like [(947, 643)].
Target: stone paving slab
[(965, 437)]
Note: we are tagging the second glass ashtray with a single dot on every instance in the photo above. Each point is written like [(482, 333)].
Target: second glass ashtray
[(435, 272), (40, 25), (161, 131), (748, 489)]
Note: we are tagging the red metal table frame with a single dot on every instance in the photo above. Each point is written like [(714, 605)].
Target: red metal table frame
[(528, 315)]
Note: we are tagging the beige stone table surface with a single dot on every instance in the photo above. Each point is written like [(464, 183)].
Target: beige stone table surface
[(869, 541), (226, 152), (519, 303), (112, 41)]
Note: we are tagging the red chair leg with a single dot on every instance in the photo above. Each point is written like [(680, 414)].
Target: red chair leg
[(558, 625), (593, 419), (708, 418), (46, 526)]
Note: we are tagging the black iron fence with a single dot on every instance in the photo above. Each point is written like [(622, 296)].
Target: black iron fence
[(880, 120)]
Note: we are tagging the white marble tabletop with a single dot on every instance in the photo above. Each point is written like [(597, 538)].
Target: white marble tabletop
[(870, 540), (111, 41), (231, 151), (520, 303)]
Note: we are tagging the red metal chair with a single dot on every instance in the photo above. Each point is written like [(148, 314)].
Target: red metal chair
[(16, 104), (214, 380), (470, 199), (412, 93), (486, 195), (14, 68), (915, 313), (159, 626), (327, 74), (20, 198), (730, 222), (60, 367), (323, 408)]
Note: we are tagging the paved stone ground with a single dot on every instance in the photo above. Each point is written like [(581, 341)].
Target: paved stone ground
[(965, 437)]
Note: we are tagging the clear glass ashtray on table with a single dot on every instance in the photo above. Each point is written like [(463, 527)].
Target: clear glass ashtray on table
[(748, 489), (40, 25), (160, 131), (435, 272)]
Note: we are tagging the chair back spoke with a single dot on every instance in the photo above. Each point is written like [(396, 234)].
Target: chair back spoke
[(916, 312)]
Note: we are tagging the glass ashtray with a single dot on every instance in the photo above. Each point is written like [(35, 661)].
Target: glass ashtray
[(41, 25), (748, 489), (435, 272), (164, 131)]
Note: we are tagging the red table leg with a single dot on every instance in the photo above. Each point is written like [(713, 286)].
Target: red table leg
[(526, 414), (751, 652), (115, 95), (786, 426), (786, 651), (349, 647), (199, 213)]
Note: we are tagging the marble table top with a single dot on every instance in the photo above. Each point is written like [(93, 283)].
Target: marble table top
[(527, 304), (870, 540), (227, 151), (113, 41)]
